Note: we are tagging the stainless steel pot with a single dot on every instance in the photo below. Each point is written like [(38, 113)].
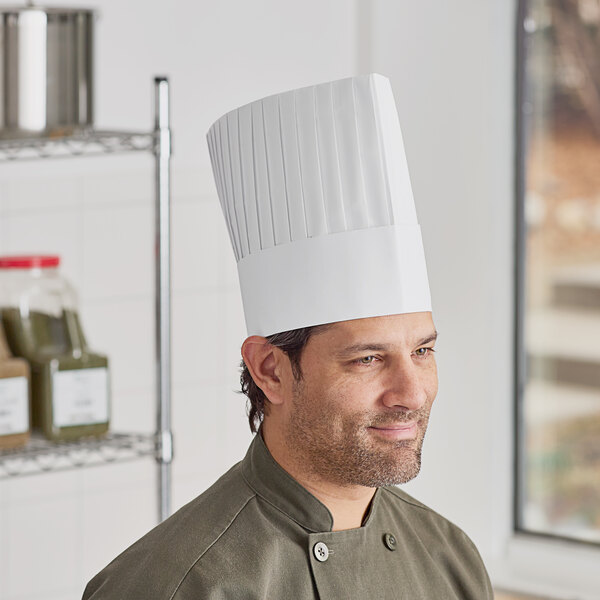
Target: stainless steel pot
[(46, 70)]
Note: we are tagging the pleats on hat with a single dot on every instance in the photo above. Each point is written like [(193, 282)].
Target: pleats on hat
[(311, 162)]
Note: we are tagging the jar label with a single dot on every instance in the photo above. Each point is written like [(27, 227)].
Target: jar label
[(80, 397), (14, 406)]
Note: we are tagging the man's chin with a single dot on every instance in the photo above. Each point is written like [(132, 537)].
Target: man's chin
[(400, 478), (391, 471)]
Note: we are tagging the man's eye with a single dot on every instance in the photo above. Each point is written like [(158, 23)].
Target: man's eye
[(365, 360), (425, 353)]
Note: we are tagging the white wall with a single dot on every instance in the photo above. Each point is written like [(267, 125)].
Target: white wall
[(451, 69)]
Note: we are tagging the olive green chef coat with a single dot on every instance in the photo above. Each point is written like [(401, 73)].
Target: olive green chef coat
[(258, 534)]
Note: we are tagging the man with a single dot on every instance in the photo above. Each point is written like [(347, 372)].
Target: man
[(338, 368)]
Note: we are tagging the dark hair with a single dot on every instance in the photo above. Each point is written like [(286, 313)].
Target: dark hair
[(292, 343)]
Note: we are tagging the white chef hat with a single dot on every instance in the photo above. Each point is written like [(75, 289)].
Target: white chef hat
[(315, 190)]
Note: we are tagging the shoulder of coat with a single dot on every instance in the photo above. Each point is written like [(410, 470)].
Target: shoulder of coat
[(203, 520)]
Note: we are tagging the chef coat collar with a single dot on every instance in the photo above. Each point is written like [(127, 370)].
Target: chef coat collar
[(273, 483)]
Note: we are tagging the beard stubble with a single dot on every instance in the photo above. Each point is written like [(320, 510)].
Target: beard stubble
[(340, 448)]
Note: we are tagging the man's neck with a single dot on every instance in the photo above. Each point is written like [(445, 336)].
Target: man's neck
[(348, 505)]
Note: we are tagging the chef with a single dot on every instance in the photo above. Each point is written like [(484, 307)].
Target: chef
[(338, 367)]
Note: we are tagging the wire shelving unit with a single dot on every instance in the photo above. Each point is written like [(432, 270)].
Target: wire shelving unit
[(43, 456)]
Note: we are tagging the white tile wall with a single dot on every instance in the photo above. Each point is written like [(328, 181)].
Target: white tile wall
[(118, 251), (35, 531), (49, 486), (122, 180), (4, 551), (112, 477), (228, 277), (203, 419), (3, 225), (206, 422), (133, 409), (124, 330), (27, 193), (198, 246), (48, 231), (234, 333), (196, 330), (118, 506)]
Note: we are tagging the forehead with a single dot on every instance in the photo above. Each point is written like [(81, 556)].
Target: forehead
[(399, 329)]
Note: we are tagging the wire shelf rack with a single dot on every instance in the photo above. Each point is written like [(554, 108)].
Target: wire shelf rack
[(43, 456), (82, 143)]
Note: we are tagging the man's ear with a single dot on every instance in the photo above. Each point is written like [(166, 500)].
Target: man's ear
[(265, 363)]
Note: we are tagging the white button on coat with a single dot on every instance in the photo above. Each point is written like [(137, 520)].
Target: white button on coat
[(321, 551)]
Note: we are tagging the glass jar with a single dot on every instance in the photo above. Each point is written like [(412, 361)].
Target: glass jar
[(15, 401), (70, 385)]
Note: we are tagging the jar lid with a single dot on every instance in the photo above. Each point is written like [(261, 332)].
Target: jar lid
[(29, 262)]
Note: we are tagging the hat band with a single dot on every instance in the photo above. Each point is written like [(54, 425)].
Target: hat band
[(335, 277)]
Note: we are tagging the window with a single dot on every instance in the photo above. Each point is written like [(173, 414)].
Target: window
[(558, 266)]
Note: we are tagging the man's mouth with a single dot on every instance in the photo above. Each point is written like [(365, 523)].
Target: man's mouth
[(397, 431)]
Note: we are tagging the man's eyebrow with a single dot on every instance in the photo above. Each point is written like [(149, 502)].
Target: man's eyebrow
[(366, 347), (430, 338)]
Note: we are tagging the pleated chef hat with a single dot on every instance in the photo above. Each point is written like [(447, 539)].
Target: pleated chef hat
[(316, 194)]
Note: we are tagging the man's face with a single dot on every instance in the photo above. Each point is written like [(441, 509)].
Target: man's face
[(359, 415)]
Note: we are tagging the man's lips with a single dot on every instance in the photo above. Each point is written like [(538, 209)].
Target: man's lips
[(397, 431)]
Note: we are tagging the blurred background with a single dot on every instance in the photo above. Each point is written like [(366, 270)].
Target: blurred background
[(499, 103)]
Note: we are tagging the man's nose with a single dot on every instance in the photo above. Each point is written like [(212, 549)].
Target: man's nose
[(406, 387)]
